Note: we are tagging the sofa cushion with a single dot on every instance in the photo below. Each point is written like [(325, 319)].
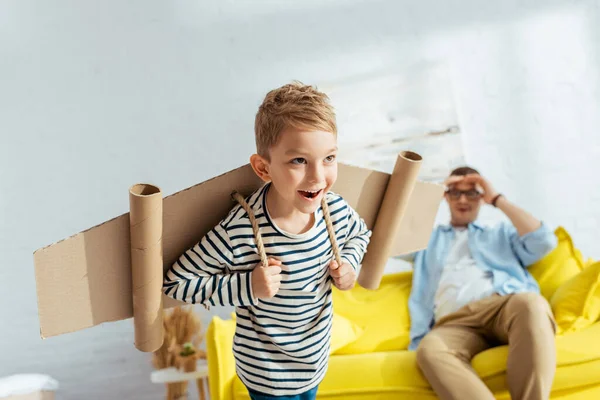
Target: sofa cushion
[(576, 303), (219, 340), (367, 376), (578, 361), (343, 332), (558, 266), (382, 314), (375, 375)]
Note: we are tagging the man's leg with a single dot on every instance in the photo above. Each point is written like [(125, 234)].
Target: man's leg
[(444, 356), (526, 323)]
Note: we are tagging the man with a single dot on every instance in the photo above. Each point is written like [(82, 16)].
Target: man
[(471, 291)]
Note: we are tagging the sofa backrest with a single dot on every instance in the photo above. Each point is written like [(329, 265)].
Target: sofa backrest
[(382, 314)]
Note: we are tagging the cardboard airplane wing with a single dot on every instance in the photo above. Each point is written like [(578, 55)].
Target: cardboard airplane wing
[(114, 271)]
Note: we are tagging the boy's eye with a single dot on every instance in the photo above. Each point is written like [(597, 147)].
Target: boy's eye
[(330, 159), (298, 160)]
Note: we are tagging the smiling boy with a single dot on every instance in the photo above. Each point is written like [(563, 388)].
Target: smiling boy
[(284, 309)]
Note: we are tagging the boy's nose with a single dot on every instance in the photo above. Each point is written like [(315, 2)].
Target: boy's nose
[(316, 174)]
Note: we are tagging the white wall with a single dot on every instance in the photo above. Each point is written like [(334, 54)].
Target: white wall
[(95, 96)]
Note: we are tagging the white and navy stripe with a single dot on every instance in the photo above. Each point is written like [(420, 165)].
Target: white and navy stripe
[(281, 345)]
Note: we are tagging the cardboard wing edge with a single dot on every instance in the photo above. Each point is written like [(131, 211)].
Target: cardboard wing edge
[(127, 213)]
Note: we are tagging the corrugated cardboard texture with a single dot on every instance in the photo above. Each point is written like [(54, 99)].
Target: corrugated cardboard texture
[(86, 279)]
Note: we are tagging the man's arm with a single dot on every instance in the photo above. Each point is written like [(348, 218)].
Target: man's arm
[(523, 221), (530, 239)]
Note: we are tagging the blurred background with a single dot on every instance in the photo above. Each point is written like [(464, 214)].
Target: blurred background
[(96, 96)]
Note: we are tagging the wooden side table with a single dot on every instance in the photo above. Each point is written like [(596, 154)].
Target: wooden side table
[(172, 374)]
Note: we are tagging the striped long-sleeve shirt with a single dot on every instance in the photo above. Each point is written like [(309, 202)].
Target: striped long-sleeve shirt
[(281, 345)]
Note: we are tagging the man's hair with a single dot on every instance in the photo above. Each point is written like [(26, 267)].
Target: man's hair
[(462, 171), (293, 105)]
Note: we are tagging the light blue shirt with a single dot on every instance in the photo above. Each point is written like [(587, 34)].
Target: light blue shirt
[(497, 249)]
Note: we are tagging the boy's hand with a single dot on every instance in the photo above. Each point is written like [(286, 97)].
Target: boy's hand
[(266, 280), (343, 276)]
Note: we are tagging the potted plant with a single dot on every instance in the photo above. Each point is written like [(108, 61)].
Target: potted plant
[(183, 334), (186, 356)]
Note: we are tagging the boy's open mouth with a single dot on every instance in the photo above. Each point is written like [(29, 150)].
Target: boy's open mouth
[(309, 194)]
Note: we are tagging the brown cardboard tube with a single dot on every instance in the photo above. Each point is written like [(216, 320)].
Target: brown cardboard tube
[(145, 227), (396, 197)]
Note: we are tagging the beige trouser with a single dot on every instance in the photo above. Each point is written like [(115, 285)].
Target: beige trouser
[(524, 321)]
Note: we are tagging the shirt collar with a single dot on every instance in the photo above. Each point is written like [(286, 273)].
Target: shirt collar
[(474, 224)]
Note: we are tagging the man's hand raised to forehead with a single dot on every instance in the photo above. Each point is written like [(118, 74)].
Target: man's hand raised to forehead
[(489, 193), (453, 179)]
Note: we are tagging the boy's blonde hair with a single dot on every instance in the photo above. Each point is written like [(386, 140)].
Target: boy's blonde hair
[(293, 105)]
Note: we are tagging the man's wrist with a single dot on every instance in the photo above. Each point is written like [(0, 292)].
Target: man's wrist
[(495, 199)]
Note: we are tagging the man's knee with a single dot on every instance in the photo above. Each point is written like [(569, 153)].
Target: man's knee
[(430, 350), (532, 308), (426, 352), (529, 303)]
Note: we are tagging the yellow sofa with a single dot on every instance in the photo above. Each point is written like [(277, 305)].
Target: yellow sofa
[(370, 336)]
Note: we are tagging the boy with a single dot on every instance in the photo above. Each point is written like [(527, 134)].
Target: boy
[(284, 309)]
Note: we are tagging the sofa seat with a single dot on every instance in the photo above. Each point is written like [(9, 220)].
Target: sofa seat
[(395, 375)]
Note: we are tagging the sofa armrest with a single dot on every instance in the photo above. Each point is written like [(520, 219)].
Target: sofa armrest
[(221, 364)]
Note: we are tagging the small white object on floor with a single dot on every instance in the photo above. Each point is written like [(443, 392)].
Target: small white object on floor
[(172, 374), (26, 383)]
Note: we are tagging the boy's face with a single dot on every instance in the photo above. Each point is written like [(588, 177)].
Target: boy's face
[(302, 167)]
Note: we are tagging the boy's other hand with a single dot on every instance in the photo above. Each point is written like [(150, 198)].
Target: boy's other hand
[(343, 275), (266, 280)]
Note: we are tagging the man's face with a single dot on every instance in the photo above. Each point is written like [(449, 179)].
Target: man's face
[(303, 167), (464, 200)]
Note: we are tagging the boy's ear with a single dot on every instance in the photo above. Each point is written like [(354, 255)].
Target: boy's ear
[(260, 167)]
